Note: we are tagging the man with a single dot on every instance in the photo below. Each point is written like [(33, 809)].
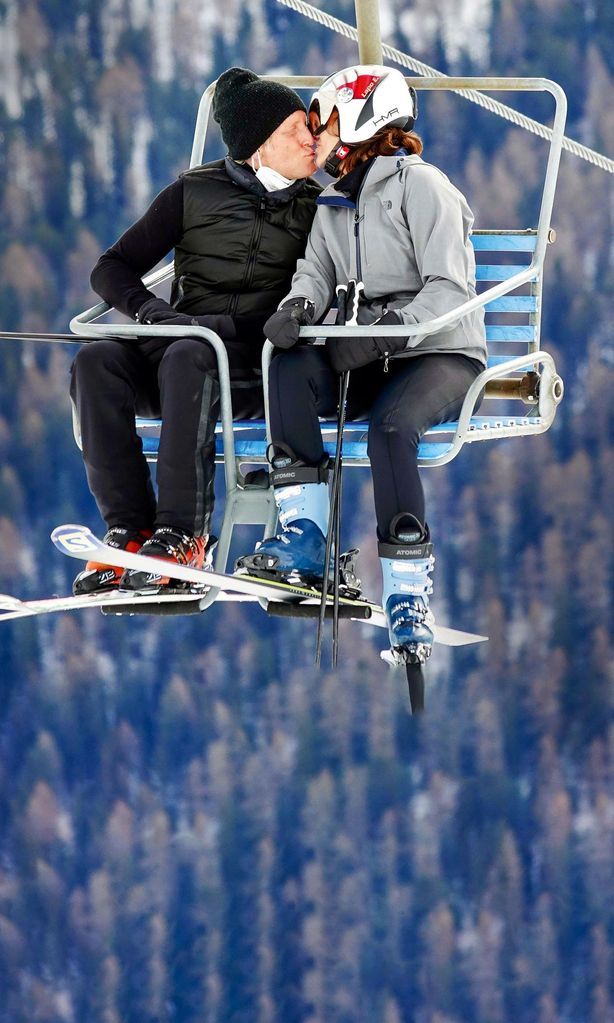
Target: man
[(237, 227)]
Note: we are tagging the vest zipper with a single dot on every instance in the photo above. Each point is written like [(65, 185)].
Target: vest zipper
[(255, 243), (252, 252)]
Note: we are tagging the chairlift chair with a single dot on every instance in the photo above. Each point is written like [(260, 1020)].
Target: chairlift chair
[(509, 273)]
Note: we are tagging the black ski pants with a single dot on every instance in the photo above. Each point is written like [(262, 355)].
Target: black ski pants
[(400, 405), (177, 381)]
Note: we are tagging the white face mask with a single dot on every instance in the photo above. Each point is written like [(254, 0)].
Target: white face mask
[(271, 179)]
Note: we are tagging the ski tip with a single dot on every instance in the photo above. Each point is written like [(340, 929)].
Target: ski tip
[(69, 527), (74, 539)]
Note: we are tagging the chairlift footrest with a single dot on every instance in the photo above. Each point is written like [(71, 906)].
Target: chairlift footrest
[(178, 607), (279, 609)]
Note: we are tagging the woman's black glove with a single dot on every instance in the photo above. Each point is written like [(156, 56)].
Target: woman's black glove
[(283, 326), (353, 352), (156, 310)]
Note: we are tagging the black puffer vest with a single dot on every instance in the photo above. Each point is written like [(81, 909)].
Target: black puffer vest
[(240, 243)]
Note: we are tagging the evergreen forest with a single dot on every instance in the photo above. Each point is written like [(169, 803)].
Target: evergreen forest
[(196, 824)]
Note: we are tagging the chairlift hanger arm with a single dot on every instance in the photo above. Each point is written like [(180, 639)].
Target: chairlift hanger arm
[(369, 32)]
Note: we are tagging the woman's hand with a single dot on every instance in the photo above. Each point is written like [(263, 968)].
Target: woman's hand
[(346, 353), (282, 328)]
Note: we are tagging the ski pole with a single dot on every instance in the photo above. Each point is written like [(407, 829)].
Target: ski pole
[(348, 297), (333, 529), (342, 290), (354, 291), (343, 392)]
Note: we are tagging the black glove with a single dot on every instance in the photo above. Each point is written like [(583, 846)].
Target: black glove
[(156, 310), (352, 352), (283, 326)]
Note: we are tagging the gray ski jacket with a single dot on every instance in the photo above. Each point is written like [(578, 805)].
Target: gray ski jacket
[(407, 238)]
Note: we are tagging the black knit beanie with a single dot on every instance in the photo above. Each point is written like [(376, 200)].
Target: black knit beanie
[(248, 109)]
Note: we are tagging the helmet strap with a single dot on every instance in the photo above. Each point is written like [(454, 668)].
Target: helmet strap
[(335, 159)]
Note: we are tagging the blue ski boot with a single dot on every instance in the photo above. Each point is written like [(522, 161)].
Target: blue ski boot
[(407, 560), (296, 553)]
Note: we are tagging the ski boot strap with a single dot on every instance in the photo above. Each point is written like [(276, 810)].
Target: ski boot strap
[(287, 470), (404, 552), (408, 540)]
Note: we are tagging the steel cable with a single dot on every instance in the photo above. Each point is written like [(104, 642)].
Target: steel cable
[(487, 102)]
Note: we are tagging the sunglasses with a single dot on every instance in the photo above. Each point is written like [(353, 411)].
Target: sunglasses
[(315, 126)]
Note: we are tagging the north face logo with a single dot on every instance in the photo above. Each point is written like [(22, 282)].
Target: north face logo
[(387, 204)]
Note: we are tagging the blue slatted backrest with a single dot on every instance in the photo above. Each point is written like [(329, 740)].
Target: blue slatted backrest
[(512, 321)]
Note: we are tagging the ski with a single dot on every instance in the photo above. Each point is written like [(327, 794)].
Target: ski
[(79, 542), (112, 603)]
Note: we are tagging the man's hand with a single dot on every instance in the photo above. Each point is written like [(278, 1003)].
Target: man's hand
[(283, 326), (156, 311), (353, 352)]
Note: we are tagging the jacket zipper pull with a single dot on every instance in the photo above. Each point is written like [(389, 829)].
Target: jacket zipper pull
[(386, 354)]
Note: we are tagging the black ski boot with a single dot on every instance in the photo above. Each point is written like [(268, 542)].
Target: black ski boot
[(173, 545)]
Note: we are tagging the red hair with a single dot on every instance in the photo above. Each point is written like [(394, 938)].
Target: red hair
[(385, 143)]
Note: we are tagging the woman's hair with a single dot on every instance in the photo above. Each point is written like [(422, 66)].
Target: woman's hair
[(385, 143)]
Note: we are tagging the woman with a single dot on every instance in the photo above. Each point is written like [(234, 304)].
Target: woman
[(397, 225)]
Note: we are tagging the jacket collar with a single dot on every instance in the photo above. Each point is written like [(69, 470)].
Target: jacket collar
[(244, 176), (350, 184), (378, 169)]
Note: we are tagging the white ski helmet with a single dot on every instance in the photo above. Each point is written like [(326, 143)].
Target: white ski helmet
[(367, 97)]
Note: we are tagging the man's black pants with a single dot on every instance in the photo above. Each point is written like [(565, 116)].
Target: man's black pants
[(177, 382)]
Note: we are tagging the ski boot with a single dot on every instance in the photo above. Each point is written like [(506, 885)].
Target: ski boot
[(295, 554), (169, 544), (99, 578), (407, 560)]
